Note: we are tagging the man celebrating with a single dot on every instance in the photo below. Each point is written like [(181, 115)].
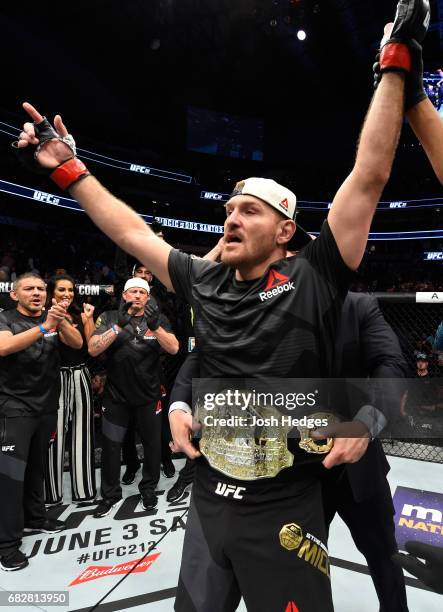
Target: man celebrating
[(132, 337), (29, 391), (258, 314)]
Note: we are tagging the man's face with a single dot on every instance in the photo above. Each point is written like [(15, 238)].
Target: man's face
[(422, 364), (142, 272), (30, 293), (253, 231), (138, 296)]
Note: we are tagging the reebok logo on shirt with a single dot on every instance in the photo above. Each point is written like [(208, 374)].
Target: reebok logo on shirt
[(149, 335), (277, 283)]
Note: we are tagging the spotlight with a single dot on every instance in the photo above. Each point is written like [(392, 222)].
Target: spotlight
[(301, 35)]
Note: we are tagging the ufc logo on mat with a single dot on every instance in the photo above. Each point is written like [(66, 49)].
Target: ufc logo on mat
[(226, 490), (8, 448)]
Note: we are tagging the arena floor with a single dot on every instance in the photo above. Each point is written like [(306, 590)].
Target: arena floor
[(66, 561)]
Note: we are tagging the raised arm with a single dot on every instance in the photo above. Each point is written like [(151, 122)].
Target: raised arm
[(354, 205), (56, 152), (355, 202), (423, 118), (428, 127), (88, 320), (124, 226)]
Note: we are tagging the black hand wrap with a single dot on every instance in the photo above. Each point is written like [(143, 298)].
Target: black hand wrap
[(124, 318), (28, 155), (411, 23), (414, 92), (152, 314)]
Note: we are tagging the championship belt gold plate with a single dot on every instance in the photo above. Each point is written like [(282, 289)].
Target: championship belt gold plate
[(243, 450), (239, 448), (312, 446)]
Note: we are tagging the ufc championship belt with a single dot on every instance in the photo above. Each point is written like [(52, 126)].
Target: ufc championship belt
[(311, 446), (251, 444)]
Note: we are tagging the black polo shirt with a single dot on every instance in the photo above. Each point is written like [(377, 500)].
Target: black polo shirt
[(29, 379), (133, 361)]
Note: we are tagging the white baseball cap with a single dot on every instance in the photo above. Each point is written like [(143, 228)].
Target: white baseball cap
[(280, 198), (137, 282), (271, 192)]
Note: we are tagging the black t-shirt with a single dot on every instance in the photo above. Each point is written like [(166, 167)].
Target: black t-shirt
[(6, 302), (29, 379), (133, 361), (71, 357), (423, 391), (280, 325)]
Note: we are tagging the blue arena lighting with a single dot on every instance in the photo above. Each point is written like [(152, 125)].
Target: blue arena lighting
[(12, 131), (112, 162), (44, 197)]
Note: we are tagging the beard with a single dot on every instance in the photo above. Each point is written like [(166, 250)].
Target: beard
[(136, 310), (230, 259), (256, 253)]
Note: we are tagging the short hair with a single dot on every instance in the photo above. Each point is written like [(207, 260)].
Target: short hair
[(27, 275)]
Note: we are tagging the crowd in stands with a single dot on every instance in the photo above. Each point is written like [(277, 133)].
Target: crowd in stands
[(90, 260)]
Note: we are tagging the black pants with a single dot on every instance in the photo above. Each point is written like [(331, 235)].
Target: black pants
[(129, 448), (239, 541), (115, 418), (187, 472), (24, 444), (130, 456), (371, 523), (166, 453)]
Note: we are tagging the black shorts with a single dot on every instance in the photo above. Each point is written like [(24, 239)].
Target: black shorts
[(271, 552)]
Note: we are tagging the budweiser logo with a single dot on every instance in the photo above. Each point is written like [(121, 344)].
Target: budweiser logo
[(100, 571)]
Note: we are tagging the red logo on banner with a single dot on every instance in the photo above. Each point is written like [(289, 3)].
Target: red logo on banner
[(275, 279), (101, 571), (291, 607)]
